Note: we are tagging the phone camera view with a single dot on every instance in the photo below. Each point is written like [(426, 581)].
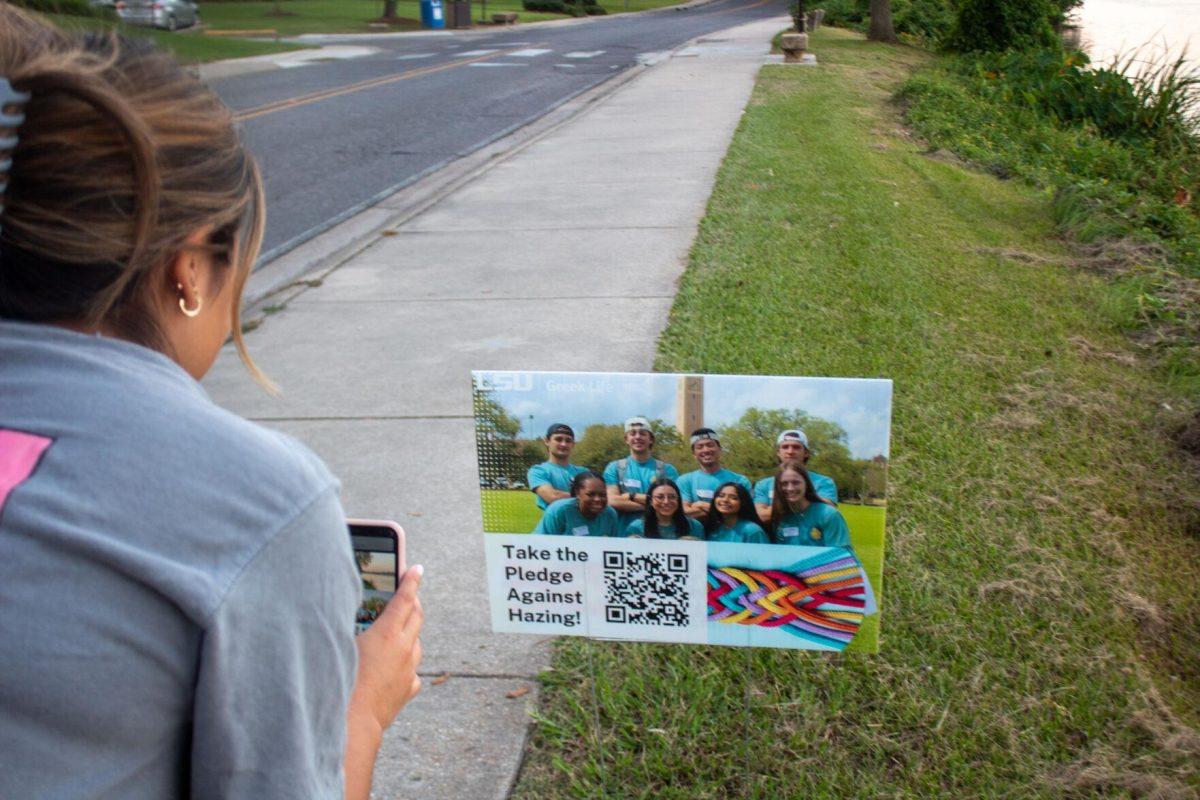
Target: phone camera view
[(375, 555)]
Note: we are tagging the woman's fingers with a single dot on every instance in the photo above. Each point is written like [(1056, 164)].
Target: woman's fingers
[(404, 604)]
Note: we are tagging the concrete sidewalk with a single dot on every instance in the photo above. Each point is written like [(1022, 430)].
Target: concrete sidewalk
[(563, 256)]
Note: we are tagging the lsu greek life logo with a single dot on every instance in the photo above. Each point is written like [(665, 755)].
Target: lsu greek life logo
[(504, 381)]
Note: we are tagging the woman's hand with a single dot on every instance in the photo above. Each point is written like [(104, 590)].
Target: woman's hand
[(388, 655)]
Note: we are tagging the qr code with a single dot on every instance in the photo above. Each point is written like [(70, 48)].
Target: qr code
[(646, 589)]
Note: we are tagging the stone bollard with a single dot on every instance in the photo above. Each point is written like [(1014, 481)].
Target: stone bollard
[(793, 46)]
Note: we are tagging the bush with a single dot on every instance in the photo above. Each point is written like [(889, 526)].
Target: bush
[(922, 20), (1055, 131), (1153, 108), (846, 13), (984, 26), (553, 7)]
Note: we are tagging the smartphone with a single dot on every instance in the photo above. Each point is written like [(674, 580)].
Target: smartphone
[(379, 554)]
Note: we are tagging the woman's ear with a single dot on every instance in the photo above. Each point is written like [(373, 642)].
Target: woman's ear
[(186, 276)]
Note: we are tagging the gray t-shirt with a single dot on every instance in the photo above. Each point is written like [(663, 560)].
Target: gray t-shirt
[(177, 588)]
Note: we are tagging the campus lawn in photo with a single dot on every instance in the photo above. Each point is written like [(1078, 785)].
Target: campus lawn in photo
[(1042, 624), (509, 511)]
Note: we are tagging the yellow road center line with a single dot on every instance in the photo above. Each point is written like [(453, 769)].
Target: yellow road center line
[(741, 8), (307, 99)]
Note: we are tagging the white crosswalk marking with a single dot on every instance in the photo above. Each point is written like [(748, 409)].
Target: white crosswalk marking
[(584, 54), (530, 53), (495, 64), (412, 56), (650, 59), (477, 53)]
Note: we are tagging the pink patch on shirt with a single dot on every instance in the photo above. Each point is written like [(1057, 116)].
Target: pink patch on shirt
[(19, 455)]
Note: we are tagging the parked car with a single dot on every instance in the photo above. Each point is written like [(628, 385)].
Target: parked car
[(168, 14)]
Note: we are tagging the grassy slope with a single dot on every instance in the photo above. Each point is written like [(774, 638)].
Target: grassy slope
[(352, 16), (188, 47), (1040, 634)]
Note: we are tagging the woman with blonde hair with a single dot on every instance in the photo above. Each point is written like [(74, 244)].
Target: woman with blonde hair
[(199, 565), (800, 516)]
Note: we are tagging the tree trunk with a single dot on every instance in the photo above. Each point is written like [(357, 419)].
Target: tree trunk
[(881, 22), (389, 9)]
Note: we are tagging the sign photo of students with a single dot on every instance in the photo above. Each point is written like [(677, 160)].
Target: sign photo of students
[(782, 472)]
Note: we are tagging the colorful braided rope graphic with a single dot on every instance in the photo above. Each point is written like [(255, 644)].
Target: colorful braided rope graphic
[(814, 599)]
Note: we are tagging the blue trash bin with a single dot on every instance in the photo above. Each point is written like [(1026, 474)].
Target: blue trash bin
[(431, 14)]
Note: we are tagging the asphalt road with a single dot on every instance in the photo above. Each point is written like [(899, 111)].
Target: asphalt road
[(335, 137)]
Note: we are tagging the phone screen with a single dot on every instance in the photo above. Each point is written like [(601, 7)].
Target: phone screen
[(376, 553)]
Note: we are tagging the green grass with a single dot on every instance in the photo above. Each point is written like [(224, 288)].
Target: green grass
[(353, 16), (188, 46), (1041, 628), (509, 511)]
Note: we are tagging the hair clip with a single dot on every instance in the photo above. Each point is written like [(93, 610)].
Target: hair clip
[(9, 97)]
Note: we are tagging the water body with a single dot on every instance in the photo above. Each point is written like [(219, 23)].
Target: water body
[(1113, 28)]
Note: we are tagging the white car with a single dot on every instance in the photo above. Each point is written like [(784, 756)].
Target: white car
[(168, 14)]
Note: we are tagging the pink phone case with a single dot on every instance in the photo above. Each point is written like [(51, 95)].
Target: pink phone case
[(401, 561)]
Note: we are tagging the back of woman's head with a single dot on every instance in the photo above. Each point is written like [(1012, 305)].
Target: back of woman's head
[(122, 155)]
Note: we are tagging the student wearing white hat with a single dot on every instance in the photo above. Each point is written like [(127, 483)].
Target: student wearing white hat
[(792, 445), (697, 487), (628, 479)]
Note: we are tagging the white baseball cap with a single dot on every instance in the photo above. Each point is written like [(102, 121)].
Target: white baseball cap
[(792, 436), (637, 422)]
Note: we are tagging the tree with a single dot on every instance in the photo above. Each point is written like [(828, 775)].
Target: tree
[(389, 9), (993, 26), (495, 438), (599, 445), (750, 442), (881, 29)]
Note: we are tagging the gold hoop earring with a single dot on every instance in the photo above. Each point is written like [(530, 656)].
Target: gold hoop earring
[(190, 312)]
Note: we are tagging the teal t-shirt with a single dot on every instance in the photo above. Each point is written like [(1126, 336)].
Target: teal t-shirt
[(638, 528), (638, 477), (821, 525), (558, 477), (764, 490), (562, 518), (698, 486), (743, 531)]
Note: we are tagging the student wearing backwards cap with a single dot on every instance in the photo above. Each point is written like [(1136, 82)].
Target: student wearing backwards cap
[(551, 480), (697, 486), (792, 445), (628, 479), (584, 513)]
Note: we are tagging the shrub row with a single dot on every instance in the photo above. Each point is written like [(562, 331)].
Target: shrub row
[(1121, 162), (962, 25), (571, 7)]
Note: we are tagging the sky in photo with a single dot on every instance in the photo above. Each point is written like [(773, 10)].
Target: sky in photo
[(538, 399)]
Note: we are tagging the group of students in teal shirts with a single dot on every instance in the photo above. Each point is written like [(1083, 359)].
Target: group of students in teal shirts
[(643, 497)]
